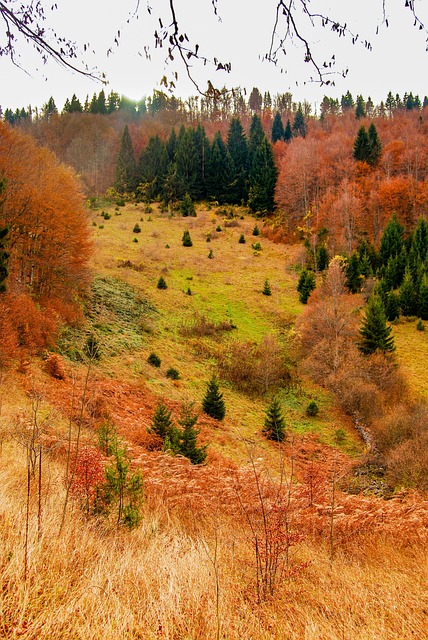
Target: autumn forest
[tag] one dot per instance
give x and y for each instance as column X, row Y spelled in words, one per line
column 213, row 391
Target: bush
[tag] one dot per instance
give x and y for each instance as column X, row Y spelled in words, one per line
column 161, row 283
column 256, row 246
column 172, row 374
column 241, row 239
column 218, row 228
column 120, row 203
column 154, row 360
column 137, row 228
column 211, row 254
column 420, row 325
column 54, row 366
column 256, row 231
column 135, row 240
column 312, row 409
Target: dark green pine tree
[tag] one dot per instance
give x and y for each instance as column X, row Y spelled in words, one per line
column 219, row 175
column 213, row 403
column 423, row 298
column 347, row 101
column 186, row 240
column 152, row 168
column 306, row 285
column 266, row 291
column 126, row 167
column 353, row 273
column 299, row 123
column 391, row 243
column 360, row 109
column 274, row 424
column 202, row 145
column 162, row 422
column 322, row 258
column 375, row 146
column 408, row 294
column 262, row 179
column 186, row 164
column 189, row 436
column 277, row 128
column 238, row 149
column 374, row 332
column 288, row 132
column 256, row 137
column 361, row 146
column 171, row 145
column 420, row 238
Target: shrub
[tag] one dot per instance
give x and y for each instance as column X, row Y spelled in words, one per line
column 100, row 226
column 154, row 360
column 211, row 254
column 120, row 203
column 54, row 366
column 312, row 409
column 256, row 246
column 137, row 228
column 173, row 374
column 135, row 240
column 241, row 239
column 420, row 325
column 218, row 228
column 186, row 239
column 256, row 231
column 161, row 283
column 189, row 291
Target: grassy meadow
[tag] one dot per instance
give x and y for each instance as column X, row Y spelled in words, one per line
column 260, row 542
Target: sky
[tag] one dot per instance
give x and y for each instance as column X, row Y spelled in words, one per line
column 242, row 36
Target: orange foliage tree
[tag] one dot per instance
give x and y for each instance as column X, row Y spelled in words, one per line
column 48, row 239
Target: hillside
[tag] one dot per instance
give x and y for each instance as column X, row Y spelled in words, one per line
column 264, row 540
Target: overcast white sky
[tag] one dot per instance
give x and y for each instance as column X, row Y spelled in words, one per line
column 398, row 61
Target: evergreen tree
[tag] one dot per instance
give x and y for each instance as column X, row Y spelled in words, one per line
column 162, row 422
column 162, row 283
column 187, row 206
column 186, row 164
column 423, row 297
column 375, row 333
column 299, row 123
column 277, row 128
column 322, row 258
column 213, row 403
column 262, row 179
column 347, row 101
column 375, row 146
column 306, row 285
column 361, row 146
column 360, row 111
column 353, row 274
column 390, row 103
column 255, row 100
column 203, row 150
column 274, row 424
column 288, row 133
column 256, row 138
column 219, row 171
column 408, row 299
column 420, row 238
column 391, row 243
column 238, row 149
column 186, row 239
column 188, row 437
column 126, row 168
column 267, row 291
column 171, row 145
column 152, row 168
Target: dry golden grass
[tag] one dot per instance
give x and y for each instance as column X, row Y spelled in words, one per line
column 187, row 573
